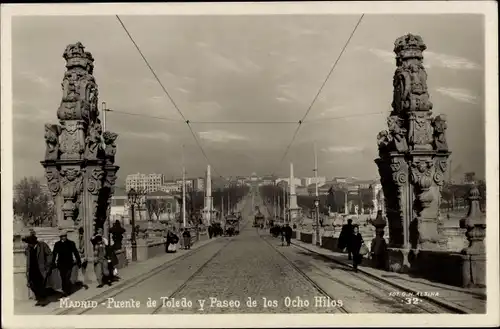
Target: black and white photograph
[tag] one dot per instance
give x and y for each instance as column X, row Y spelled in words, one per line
column 238, row 164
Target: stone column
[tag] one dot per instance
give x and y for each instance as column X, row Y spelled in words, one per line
column 293, row 207
column 412, row 153
column 74, row 158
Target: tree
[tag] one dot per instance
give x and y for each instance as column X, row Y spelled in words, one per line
column 34, row 207
column 151, row 207
column 160, row 207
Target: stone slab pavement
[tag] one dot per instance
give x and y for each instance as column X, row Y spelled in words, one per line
column 127, row 274
column 462, row 300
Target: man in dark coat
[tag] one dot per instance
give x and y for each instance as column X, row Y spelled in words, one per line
column 345, row 237
column 38, row 261
column 186, row 235
column 117, row 232
column 288, row 234
column 63, row 253
column 355, row 243
column 379, row 250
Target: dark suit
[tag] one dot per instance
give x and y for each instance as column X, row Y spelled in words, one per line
column 63, row 259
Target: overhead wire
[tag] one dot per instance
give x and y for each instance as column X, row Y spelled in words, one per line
column 287, row 149
column 165, row 91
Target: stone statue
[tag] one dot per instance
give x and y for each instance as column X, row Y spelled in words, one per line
column 398, row 133
column 440, row 126
column 52, row 133
column 93, row 141
column 110, row 150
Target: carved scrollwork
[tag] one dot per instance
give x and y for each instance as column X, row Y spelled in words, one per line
column 53, row 182
column 95, row 181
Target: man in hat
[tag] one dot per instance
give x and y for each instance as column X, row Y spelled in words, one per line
column 64, row 250
column 38, row 260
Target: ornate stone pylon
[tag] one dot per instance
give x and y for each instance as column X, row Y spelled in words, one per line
column 413, row 153
column 77, row 167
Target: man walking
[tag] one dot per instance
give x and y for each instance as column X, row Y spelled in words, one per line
column 288, row 234
column 38, row 261
column 63, row 253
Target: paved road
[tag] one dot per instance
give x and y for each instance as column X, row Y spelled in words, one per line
column 253, row 273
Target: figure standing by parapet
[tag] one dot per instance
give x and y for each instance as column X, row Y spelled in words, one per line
column 62, row 258
column 38, row 270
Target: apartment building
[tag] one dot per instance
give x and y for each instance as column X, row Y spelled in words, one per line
column 144, row 182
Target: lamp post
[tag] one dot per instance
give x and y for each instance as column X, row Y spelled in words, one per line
column 316, row 206
column 132, row 197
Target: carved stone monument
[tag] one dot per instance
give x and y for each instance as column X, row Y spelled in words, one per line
column 413, row 154
column 80, row 171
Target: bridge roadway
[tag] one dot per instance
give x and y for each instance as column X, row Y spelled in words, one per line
column 254, row 265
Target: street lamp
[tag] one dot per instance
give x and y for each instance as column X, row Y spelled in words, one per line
column 316, row 206
column 132, row 197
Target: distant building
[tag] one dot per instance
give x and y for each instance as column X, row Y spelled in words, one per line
column 297, row 181
column 144, row 182
column 306, row 181
column 170, row 187
column 199, row 184
column 188, row 182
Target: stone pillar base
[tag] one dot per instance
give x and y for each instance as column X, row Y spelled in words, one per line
column 474, row 270
column 142, row 250
column 399, row 260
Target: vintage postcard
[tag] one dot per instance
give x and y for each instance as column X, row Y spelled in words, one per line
column 250, row 164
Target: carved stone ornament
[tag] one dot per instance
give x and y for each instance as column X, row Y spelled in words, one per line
column 53, row 182
column 72, row 187
column 399, row 176
column 439, row 124
column 93, row 142
column 52, row 133
column 110, row 150
column 95, row 181
column 410, row 78
column 71, row 142
column 398, row 133
column 80, row 93
column 421, row 130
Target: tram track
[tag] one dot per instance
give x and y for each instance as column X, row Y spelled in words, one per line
column 422, row 303
column 342, row 309
column 129, row 284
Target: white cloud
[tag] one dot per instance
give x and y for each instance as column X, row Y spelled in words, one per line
column 35, row 78
column 283, row 100
column 449, row 61
column 343, row 149
column 461, row 95
column 153, row 135
column 431, row 59
column 220, row 136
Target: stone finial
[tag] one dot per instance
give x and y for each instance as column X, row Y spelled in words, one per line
column 379, row 223
column 409, row 46
column 75, row 55
column 475, row 223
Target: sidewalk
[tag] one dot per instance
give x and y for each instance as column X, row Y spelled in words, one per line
column 128, row 274
column 463, row 300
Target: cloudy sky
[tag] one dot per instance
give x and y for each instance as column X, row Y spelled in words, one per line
column 248, row 68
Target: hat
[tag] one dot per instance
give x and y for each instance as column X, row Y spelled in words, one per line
column 63, row 232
